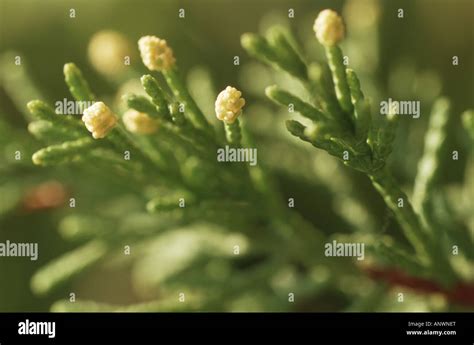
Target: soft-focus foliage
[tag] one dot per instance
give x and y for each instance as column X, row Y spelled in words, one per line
column 171, row 220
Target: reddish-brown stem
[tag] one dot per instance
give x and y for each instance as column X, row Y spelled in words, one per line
column 461, row 293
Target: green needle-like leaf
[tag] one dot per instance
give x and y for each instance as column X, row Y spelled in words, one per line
column 141, row 104
column 47, row 130
column 77, row 84
column 157, row 95
column 233, row 133
column 65, row 152
column 183, row 96
column 287, row 99
column 67, row 266
column 335, row 61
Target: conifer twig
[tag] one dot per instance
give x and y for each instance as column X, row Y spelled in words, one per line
column 78, row 86
column 158, row 56
column 343, row 126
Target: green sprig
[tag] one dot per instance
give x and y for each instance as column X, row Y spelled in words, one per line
column 314, row 137
column 343, row 126
column 406, row 216
column 361, row 106
column 47, row 130
column 429, row 165
column 42, row 111
column 285, row 98
column 182, row 95
column 77, row 84
column 67, row 266
column 66, row 152
column 157, row 96
column 233, row 133
column 322, row 85
column 277, row 51
column 286, row 54
column 335, row 61
column 141, row 104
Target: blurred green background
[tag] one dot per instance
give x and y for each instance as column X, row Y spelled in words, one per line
column 413, row 61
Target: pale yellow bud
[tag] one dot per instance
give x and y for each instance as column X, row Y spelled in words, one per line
column 329, row 28
column 99, row 120
column 140, row 123
column 155, row 53
column 108, row 51
column 229, row 104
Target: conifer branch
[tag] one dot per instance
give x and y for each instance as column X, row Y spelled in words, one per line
column 343, row 126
